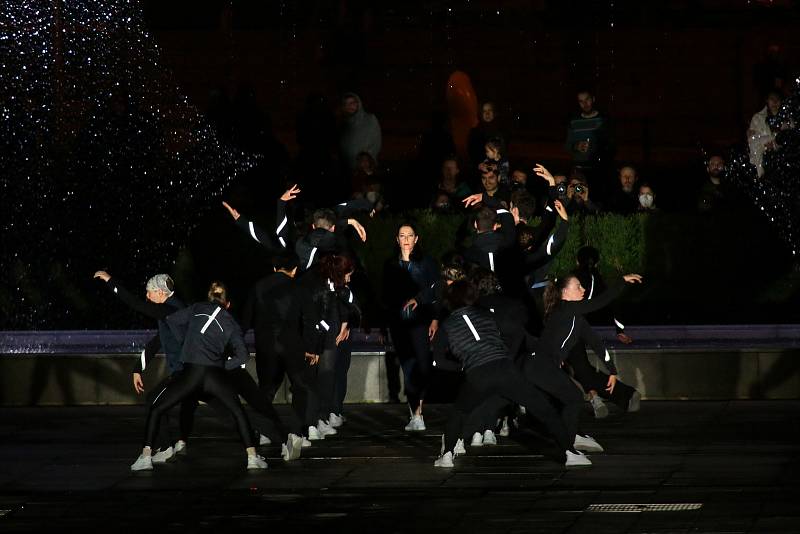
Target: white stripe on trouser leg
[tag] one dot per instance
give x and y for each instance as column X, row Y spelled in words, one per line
column 471, row 327
column 591, row 289
column 144, row 362
column 253, row 231
column 491, row 261
column 158, row 396
column 311, row 257
column 619, row 324
column 210, row 320
column 550, row 245
column 281, row 225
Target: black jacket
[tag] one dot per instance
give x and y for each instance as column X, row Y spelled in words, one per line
column 472, row 336
column 417, row 279
column 511, row 316
column 567, row 327
column 165, row 338
column 488, row 247
column 206, row 330
column 324, row 310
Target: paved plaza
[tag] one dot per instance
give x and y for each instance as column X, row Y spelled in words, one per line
column 722, row 467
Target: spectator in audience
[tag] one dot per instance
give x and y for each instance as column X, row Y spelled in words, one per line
column 761, row 134
column 367, row 182
column 360, row 132
column 525, row 204
column 590, row 139
column 488, row 127
column 495, row 149
column 450, row 183
column 492, row 186
column 647, row 199
column 578, row 196
column 712, row 194
column 624, row 199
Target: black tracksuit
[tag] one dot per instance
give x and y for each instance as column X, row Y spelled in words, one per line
column 489, row 248
column 472, row 336
column 589, row 377
column 564, row 329
column 205, row 331
column 417, row 279
column 275, row 312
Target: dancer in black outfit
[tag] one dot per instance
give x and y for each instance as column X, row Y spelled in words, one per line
column 590, row 378
column 496, row 233
column 274, row 312
column 206, row 330
column 564, row 328
column 411, row 280
column 472, row 336
column 160, row 302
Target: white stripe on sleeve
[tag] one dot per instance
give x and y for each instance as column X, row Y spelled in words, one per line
column 550, row 244
column 253, row 231
column 281, row 225
column 570, row 333
column 591, row 289
column 471, row 327
column 144, row 362
column 491, row 261
column 619, row 324
column 311, row 257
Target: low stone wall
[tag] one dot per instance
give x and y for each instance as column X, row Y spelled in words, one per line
column 659, row 373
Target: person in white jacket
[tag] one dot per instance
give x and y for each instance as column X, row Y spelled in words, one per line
column 761, row 134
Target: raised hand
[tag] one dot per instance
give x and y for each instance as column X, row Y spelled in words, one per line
column 235, row 214
column 290, row 193
column 633, row 278
column 561, row 210
column 471, row 200
column 544, row 173
column 104, row 276
column 359, row 228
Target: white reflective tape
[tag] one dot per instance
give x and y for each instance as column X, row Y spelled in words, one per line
column 550, row 244
column 212, row 317
column 619, row 324
column 144, row 362
column 311, row 257
column 591, row 289
column 471, row 327
column 570, row 332
column 283, row 243
column 281, row 225
column 253, row 231
column 324, row 325
column 491, row 310
column 330, row 285
column 491, row 261
column 343, row 204
column 350, row 299
column 116, row 290
column 501, row 211
column 548, row 208
column 159, row 395
column 243, row 366
column 608, row 356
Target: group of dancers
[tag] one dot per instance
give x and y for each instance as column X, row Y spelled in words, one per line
column 491, row 312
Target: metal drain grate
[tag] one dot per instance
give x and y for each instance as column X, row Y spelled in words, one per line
column 637, row 508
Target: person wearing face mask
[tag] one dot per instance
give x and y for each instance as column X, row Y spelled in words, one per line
column 647, row 199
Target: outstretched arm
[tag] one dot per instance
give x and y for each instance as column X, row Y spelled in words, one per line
column 145, row 307
column 582, row 307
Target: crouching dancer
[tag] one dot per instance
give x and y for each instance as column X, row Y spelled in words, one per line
column 206, row 329
column 473, row 337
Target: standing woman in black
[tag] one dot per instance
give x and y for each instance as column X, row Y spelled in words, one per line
column 410, row 281
column 565, row 327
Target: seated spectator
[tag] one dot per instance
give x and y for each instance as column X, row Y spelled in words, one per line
column 496, row 155
column 360, row 131
column 442, row 203
column 624, row 198
column 590, row 139
column 451, row 184
column 712, row 193
column 761, row 134
column 367, row 181
column 492, row 186
column 578, row 200
column 488, row 127
column 647, row 199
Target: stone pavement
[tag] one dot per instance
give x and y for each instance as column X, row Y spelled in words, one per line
column 734, row 464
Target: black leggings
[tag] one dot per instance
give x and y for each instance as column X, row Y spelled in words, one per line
column 194, row 380
column 326, row 383
column 542, row 372
column 500, row 377
column 592, row 379
column 413, row 351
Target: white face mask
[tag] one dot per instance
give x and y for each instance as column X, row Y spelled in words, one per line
column 372, row 196
column 646, row 200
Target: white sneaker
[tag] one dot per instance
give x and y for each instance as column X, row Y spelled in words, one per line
column 325, row 429
column 599, row 407
column 445, row 460
column 264, row 440
column 291, row 449
column 577, row 459
column 314, row 434
column 335, row 420
column 477, row 440
column 459, row 449
column 489, row 438
column 633, row 404
column 256, row 462
column 505, row 430
column 586, row 444
column 180, row 447
column 162, row 457
column 142, row 463
column 306, row 443
column 415, row 424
